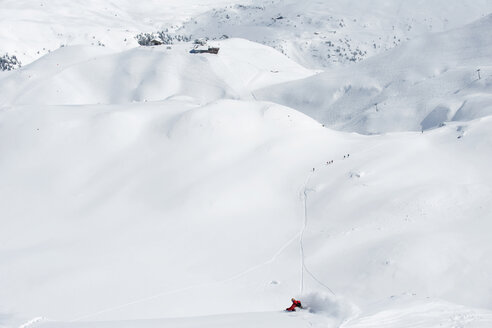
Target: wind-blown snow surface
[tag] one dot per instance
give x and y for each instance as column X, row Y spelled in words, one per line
column 150, row 188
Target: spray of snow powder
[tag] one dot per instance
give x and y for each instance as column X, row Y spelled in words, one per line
column 334, row 307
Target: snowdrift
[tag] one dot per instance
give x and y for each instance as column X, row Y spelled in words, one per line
column 416, row 86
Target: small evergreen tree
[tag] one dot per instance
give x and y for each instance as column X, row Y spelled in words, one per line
column 8, row 63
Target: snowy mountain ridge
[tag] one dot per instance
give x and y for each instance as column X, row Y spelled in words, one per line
column 322, row 34
column 316, row 34
column 417, row 86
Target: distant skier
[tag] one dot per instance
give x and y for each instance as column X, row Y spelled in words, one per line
column 295, row 304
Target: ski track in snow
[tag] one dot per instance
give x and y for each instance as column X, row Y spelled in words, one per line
column 179, row 290
column 296, row 236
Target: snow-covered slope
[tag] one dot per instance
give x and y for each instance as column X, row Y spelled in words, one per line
column 419, row 85
column 398, row 314
column 151, row 187
column 331, row 32
column 148, row 199
column 92, row 75
column 243, row 320
column 167, row 209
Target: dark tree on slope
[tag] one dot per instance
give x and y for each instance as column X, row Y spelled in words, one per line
column 150, row 39
column 8, row 63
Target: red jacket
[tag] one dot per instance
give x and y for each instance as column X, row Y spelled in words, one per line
column 295, row 304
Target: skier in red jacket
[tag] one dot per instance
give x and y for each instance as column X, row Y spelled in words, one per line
column 295, row 303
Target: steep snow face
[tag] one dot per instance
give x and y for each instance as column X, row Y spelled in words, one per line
column 92, row 75
column 417, row 86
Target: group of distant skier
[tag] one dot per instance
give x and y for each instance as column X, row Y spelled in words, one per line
column 331, row 161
